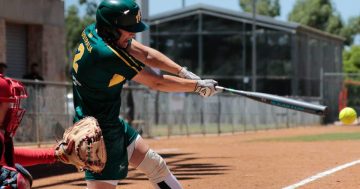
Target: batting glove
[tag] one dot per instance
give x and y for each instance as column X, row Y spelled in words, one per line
column 206, row 87
column 184, row 73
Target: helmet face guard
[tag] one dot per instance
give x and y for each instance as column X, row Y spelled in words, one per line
column 13, row 119
column 14, row 91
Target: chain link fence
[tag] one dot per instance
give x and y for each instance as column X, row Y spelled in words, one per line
column 50, row 111
column 341, row 90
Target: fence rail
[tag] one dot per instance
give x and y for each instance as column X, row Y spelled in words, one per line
column 50, row 111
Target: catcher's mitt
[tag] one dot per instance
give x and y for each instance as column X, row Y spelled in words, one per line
column 83, row 146
column 15, row 178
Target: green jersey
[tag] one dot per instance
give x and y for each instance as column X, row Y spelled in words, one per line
column 99, row 73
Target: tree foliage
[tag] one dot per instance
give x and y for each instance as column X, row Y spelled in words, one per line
column 91, row 6
column 351, row 60
column 72, row 22
column 352, row 28
column 315, row 13
column 322, row 15
column 74, row 25
column 354, row 22
column 263, row 7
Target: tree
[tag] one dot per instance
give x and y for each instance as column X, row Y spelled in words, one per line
column 351, row 29
column 320, row 14
column 317, row 14
column 91, row 6
column 351, row 60
column 263, row 7
column 351, row 64
column 74, row 25
column 354, row 24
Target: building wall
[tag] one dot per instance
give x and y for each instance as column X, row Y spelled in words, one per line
column 2, row 41
column 53, row 53
column 144, row 37
column 35, row 33
column 49, row 12
column 45, row 24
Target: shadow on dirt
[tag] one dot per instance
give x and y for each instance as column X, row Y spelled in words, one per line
column 181, row 164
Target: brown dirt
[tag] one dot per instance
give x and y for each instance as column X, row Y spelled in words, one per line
column 237, row 161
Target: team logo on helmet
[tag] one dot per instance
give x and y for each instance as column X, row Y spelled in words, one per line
column 138, row 17
column 126, row 12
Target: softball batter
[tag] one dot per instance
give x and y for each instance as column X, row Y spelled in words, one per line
column 107, row 57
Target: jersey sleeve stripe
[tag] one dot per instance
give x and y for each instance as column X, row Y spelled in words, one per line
column 123, row 59
column 140, row 66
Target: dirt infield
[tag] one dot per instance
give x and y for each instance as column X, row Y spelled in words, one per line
column 238, row 161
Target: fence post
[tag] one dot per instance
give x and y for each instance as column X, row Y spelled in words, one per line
column 219, row 115
column 37, row 113
column 321, row 84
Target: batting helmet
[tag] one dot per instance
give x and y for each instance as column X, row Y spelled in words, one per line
column 12, row 91
column 123, row 14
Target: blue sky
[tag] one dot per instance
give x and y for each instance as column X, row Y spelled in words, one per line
column 346, row 8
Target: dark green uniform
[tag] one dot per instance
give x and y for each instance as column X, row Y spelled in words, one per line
column 98, row 75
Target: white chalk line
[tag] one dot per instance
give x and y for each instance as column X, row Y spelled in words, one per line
column 322, row 174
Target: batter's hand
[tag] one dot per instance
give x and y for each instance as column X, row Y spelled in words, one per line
column 206, row 87
column 184, row 73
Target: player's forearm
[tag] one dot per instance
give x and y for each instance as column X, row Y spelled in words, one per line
column 158, row 60
column 174, row 84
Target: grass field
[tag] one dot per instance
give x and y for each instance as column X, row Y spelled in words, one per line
column 318, row 137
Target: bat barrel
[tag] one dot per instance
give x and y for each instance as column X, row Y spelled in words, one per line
column 279, row 101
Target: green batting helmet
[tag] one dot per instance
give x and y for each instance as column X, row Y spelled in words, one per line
column 123, row 14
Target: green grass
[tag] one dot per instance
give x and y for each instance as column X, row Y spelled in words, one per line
column 319, row 137
column 162, row 130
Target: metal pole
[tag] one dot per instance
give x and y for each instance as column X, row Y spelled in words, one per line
column 37, row 114
column 322, row 84
column 200, row 45
column 144, row 37
column 254, row 46
column 219, row 116
column 183, row 3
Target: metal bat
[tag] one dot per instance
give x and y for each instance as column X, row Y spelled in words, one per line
column 279, row 101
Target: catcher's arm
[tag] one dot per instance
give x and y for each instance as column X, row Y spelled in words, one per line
column 83, row 146
column 30, row 156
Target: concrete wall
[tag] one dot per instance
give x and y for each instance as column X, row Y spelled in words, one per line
column 50, row 12
column 45, row 23
column 53, row 53
column 144, row 37
column 2, row 41
column 35, row 33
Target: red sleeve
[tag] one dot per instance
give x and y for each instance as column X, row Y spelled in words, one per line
column 34, row 156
